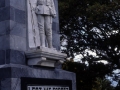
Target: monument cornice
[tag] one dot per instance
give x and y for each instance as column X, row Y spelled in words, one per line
column 47, row 55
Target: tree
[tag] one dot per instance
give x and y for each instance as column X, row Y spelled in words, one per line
column 90, row 77
column 91, row 25
column 102, row 84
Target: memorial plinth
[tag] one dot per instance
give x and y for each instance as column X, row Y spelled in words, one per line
column 24, row 63
column 45, row 57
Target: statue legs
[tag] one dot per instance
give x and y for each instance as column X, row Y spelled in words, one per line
column 41, row 29
column 45, row 28
column 48, row 30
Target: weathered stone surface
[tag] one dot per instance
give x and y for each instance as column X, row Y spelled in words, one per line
column 16, row 84
column 4, row 27
column 12, row 56
column 20, row 16
column 15, row 72
column 17, row 43
column 2, row 57
column 4, row 42
column 11, row 13
column 2, row 3
column 45, row 57
column 13, row 31
column 18, row 4
column 5, row 72
column 56, row 34
column 5, row 84
column 56, row 41
column 12, row 42
column 56, row 27
column 5, row 13
column 17, row 29
column 15, row 57
column 57, row 18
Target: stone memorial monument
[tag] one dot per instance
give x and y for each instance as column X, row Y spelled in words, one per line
column 30, row 57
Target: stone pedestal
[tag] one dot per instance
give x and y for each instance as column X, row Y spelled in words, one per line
column 12, row 76
column 18, row 60
column 45, row 57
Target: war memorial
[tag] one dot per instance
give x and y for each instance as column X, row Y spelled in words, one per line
column 30, row 57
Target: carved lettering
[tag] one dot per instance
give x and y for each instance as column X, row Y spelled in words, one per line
column 47, row 88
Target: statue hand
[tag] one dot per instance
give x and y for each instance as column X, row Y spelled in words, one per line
column 33, row 8
column 54, row 15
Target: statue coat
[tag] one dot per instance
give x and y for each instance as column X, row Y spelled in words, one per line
column 45, row 7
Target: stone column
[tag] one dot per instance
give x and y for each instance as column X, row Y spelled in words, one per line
column 13, row 31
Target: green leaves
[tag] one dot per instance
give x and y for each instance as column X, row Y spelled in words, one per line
column 91, row 77
column 90, row 25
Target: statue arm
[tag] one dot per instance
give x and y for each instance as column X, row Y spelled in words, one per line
column 34, row 4
column 53, row 8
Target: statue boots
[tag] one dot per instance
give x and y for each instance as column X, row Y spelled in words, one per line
column 49, row 41
column 42, row 39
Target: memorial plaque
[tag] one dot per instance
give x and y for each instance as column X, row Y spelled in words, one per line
column 45, row 84
column 47, row 88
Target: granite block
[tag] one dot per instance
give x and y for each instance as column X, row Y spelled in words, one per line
column 56, row 19
column 55, row 27
column 6, row 84
column 4, row 27
column 17, row 29
column 4, row 42
column 2, row 57
column 5, row 72
column 4, row 13
column 42, row 73
column 17, row 43
column 2, row 3
column 20, row 16
column 16, row 84
column 18, row 71
column 15, row 57
column 12, row 42
column 7, row 3
column 15, row 72
column 12, row 13
column 18, row 4
column 56, row 41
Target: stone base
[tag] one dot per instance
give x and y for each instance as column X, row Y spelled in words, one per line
column 10, row 56
column 45, row 57
column 10, row 75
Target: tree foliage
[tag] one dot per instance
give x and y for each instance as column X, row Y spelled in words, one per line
column 91, row 25
column 102, row 84
column 90, row 77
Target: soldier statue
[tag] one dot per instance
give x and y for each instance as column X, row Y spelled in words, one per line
column 45, row 11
